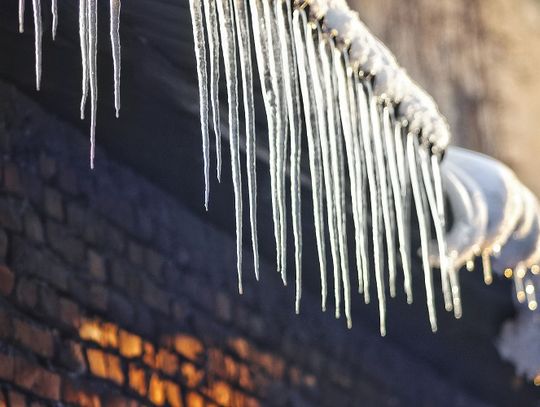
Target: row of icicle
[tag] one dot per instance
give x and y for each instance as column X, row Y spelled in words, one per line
column 88, row 34
column 359, row 150
column 374, row 140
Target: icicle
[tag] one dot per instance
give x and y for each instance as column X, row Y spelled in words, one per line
column 54, row 11
column 21, row 15
column 405, row 202
column 228, row 43
column 313, row 143
column 262, row 52
column 83, row 37
column 439, row 196
column 383, row 187
column 333, row 200
column 320, row 97
column 115, row 45
column 92, row 26
column 486, row 265
column 339, row 60
column 213, row 45
column 200, row 56
column 412, row 147
column 439, row 226
column 244, row 48
column 279, row 137
column 288, row 58
column 38, row 35
column 374, row 201
column 398, row 198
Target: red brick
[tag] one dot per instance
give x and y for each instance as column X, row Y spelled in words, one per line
column 36, row 339
column 156, row 390
column 73, row 394
column 37, row 380
column 69, row 313
column 16, row 399
column 130, row 345
column 137, row 379
column 6, row 367
column 105, row 365
column 3, row 400
column 7, row 280
column 71, row 357
column 167, row 362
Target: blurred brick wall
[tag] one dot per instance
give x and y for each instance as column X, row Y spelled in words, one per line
column 113, row 294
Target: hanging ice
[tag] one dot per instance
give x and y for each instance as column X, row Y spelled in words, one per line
column 228, row 44
column 83, row 38
column 21, row 15
column 54, row 12
column 200, row 55
column 92, row 25
column 38, row 38
column 115, row 45
column 212, row 32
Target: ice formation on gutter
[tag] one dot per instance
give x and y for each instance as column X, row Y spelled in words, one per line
column 375, row 140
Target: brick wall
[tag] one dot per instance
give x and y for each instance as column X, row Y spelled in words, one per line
column 113, row 294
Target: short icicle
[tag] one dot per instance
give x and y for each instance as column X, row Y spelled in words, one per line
column 228, row 44
column 54, row 12
column 22, row 4
column 38, row 39
column 299, row 22
column 200, row 56
column 244, row 48
column 212, row 31
column 92, row 25
column 376, row 218
column 412, row 148
column 116, row 54
column 83, row 38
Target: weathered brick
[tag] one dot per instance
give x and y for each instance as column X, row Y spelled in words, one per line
column 167, row 362
column 71, row 357
column 74, row 393
column 49, row 302
column 7, row 280
column 96, row 266
column 12, row 179
column 188, row 346
column 137, row 379
column 119, row 308
column 53, row 204
column 47, row 166
column 6, row 326
column 7, row 370
column 64, row 242
column 39, row 340
column 16, row 399
column 154, row 262
column 99, row 296
column 67, row 181
column 156, row 390
column 3, row 399
column 130, row 345
column 123, row 277
column 155, row 297
column 27, row 292
column 33, row 227
column 173, row 394
column 10, row 214
column 37, row 380
column 135, row 253
column 69, row 313
column 223, row 306
column 3, row 243
column 105, row 365
column 76, row 217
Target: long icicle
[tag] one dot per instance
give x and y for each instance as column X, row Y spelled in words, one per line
column 83, row 39
column 116, row 54
column 404, row 181
column 54, row 12
column 38, row 39
column 92, row 25
column 244, row 48
column 398, row 199
column 313, row 144
column 262, row 53
column 200, row 56
column 332, row 120
column 288, row 59
column 439, row 196
column 412, row 147
column 339, row 59
column 322, row 110
column 278, row 138
column 437, row 222
column 228, row 44
column 376, row 218
column 212, row 32
column 383, row 187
